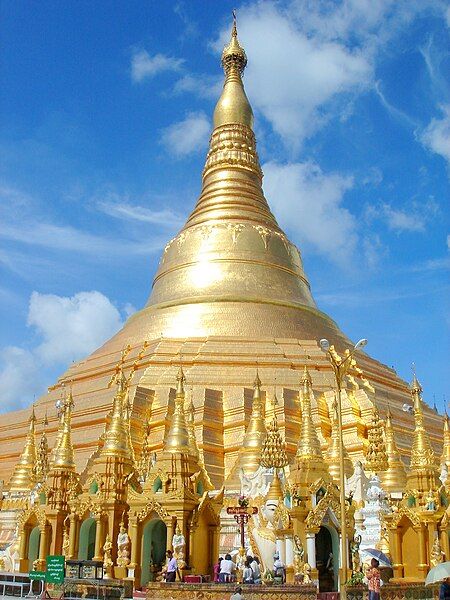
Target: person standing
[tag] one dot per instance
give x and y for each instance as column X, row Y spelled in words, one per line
column 373, row 576
column 172, row 567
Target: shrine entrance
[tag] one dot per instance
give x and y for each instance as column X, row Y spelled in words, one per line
column 327, row 558
column 33, row 545
column 153, row 551
column 86, row 548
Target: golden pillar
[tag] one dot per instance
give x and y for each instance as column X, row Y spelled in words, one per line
column 445, row 545
column 73, row 526
column 23, row 545
column 423, row 563
column 99, row 534
column 170, row 530
column 397, row 558
column 43, row 548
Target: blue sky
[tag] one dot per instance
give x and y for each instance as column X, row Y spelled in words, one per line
column 106, row 111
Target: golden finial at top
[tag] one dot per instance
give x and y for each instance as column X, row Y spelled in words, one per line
column 233, row 55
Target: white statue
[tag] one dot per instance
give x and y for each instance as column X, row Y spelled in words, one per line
column 255, row 484
column 264, row 533
column 123, row 547
column 373, row 513
column 357, row 485
column 178, row 545
column 444, row 474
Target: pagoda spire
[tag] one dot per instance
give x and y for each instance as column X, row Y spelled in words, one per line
column 62, row 455
column 309, row 462
column 445, row 458
column 273, row 452
column 233, row 105
column 42, row 462
column 394, row 478
column 190, row 421
column 177, row 439
column 332, row 457
column 255, row 433
column 423, row 474
column 376, row 456
column 117, row 435
column 22, row 479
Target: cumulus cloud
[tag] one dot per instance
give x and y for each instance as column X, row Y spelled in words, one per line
column 144, row 66
column 20, row 378
column 413, row 218
column 68, row 328
column 187, row 136
column 436, row 136
column 292, row 94
column 308, row 203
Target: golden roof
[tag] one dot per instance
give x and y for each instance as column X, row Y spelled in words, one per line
column 177, row 439
column 394, row 478
column 22, row 479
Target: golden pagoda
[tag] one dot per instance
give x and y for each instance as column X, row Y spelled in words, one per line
column 231, row 296
column 22, row 479
column 423, row 471
column 394, row 477
column 445, row 457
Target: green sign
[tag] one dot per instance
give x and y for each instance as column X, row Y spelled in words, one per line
column 37, row 575
column 55, row 569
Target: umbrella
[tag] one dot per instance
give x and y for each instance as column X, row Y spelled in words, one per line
column 384, row 560
column 438, row 573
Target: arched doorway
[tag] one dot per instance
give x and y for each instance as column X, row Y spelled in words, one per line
column 86, row 548
column 327, row 558
column 154, row 538
column 33, row 545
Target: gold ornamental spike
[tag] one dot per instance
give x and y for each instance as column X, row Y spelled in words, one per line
column 233, row 105
column 62, row 456
column 117, row 434
column 190, row 421
column 308, row 447
column 255, row 432
column 275, row 491
column 273, row 453
column 22, row 479
column 177, row 439
column 445, row 458
column 394, row 478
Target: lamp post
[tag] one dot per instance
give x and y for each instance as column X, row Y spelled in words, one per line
column 341, row 367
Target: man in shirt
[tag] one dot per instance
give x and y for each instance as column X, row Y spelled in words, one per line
column 227, row 569
column 172, row 567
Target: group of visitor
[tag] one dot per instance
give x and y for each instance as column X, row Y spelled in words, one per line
column 225, row 570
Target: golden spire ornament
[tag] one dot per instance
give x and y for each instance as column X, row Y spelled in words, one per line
column 116, row 442
column 423, row 472
column 190, row 421
column 255, row 433
column 445, row 458
column 178, row 436
column 273, row 453
column 62, row 455
column 42, row 462
column 233, row 105
column 22, row 479
column 376, row 456
column 394, row 478
column 332, row 457
column 308, row 445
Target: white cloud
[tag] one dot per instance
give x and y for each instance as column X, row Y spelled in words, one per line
column 122, row 210
column 293, row 94
column 144, row 66
column 68, row 329
column 205, row 86
column 308, row 203
column 413, row 218
column 20, row 378
column 436, row 136
column 71, row 327
column 187, row 136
